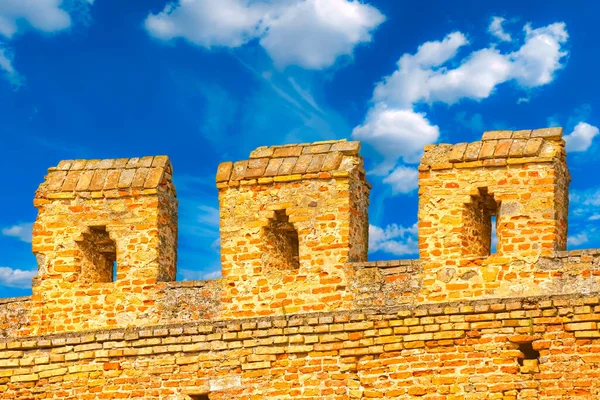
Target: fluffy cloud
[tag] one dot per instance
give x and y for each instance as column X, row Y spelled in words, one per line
column 423, row 78
column 581, row 138
column 308, row 33
column 411, row 82
column 394, row 239
column 496, row 29
column 535, row 63
column 19, row 231
column 314, row 33
column 394, row 127
column 16, row 278
column 208, row 23
column 397, row 133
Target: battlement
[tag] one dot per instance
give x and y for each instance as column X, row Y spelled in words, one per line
column 294, row 231
column 294, row 224
column 300, row 312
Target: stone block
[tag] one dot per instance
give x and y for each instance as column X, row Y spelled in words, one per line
column 224, row 171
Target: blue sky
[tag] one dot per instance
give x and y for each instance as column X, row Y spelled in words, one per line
column 206, row 81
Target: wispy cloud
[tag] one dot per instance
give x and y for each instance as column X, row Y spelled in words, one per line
column 6, row 64
column 196, row 275
column 208, row 215
column 286, row 105
column 577, row 240
column 20, row 231
column 199, row 243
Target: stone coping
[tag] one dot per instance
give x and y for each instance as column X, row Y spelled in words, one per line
column 120, row 174
column 306, row 160
column 497, row 148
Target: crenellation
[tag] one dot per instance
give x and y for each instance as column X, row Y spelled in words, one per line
column 299, row 311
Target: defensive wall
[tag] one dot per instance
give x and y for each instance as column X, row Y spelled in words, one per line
column 300, row 312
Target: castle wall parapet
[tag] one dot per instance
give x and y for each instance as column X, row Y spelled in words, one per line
column 300, row 312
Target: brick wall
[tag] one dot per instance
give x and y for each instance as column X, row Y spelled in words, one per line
column 529, row 348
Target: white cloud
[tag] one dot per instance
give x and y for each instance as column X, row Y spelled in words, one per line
column 394, row 127
column 535, row 63
column 16, row 278
column 496, row 29
column 418, row 80
column 581, row 138
column 397, row 133
column 403, row 179
column 577, row 240
column 308, row 33
column 19, row 231
column 394, row 239
column 208, row 23
column 410, row 83
column 314, row 33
